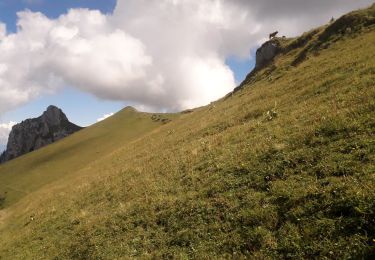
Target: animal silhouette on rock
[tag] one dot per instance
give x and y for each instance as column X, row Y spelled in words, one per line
column 273, row 35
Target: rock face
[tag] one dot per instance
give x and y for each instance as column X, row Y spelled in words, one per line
column 266, row 53
column 32, row 134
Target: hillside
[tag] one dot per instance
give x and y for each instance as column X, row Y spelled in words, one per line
column 283, row 168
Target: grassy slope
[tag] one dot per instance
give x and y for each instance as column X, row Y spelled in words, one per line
column 20, row 177
column 281, row 169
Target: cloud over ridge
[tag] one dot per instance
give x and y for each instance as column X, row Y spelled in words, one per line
column 104, row 117
column 158, row 54
column 5, row 129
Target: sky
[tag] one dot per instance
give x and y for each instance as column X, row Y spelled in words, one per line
column 93, row 57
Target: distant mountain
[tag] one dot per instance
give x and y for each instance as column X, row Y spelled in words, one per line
column 32, row 134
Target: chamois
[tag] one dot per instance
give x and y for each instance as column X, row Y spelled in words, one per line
column 273, row 35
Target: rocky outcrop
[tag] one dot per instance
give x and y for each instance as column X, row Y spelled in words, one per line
column 32, row 134
column 266, row 53
column 264, row 56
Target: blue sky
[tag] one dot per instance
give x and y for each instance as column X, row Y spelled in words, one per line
column 81, row 108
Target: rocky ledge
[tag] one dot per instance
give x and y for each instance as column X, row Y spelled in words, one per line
column 264, row 56
column 266, row 53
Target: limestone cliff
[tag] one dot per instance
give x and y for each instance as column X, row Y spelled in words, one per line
column 32, row 134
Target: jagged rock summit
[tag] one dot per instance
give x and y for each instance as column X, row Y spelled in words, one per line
column 32, row 134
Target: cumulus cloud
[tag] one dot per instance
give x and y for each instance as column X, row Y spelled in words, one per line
column 80, row 49
column 4, row 132
column 104, row 117
column 159, row 54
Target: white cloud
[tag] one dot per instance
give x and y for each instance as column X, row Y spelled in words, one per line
column 80, row 48
column 5, row 129
column 104, row 117
column 159, row 54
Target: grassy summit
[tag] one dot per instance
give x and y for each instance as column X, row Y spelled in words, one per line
column 282, row 168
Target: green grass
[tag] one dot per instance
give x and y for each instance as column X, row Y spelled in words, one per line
column 281, row 169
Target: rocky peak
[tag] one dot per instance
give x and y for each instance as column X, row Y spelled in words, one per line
column 32, row 134
column 54, row 116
